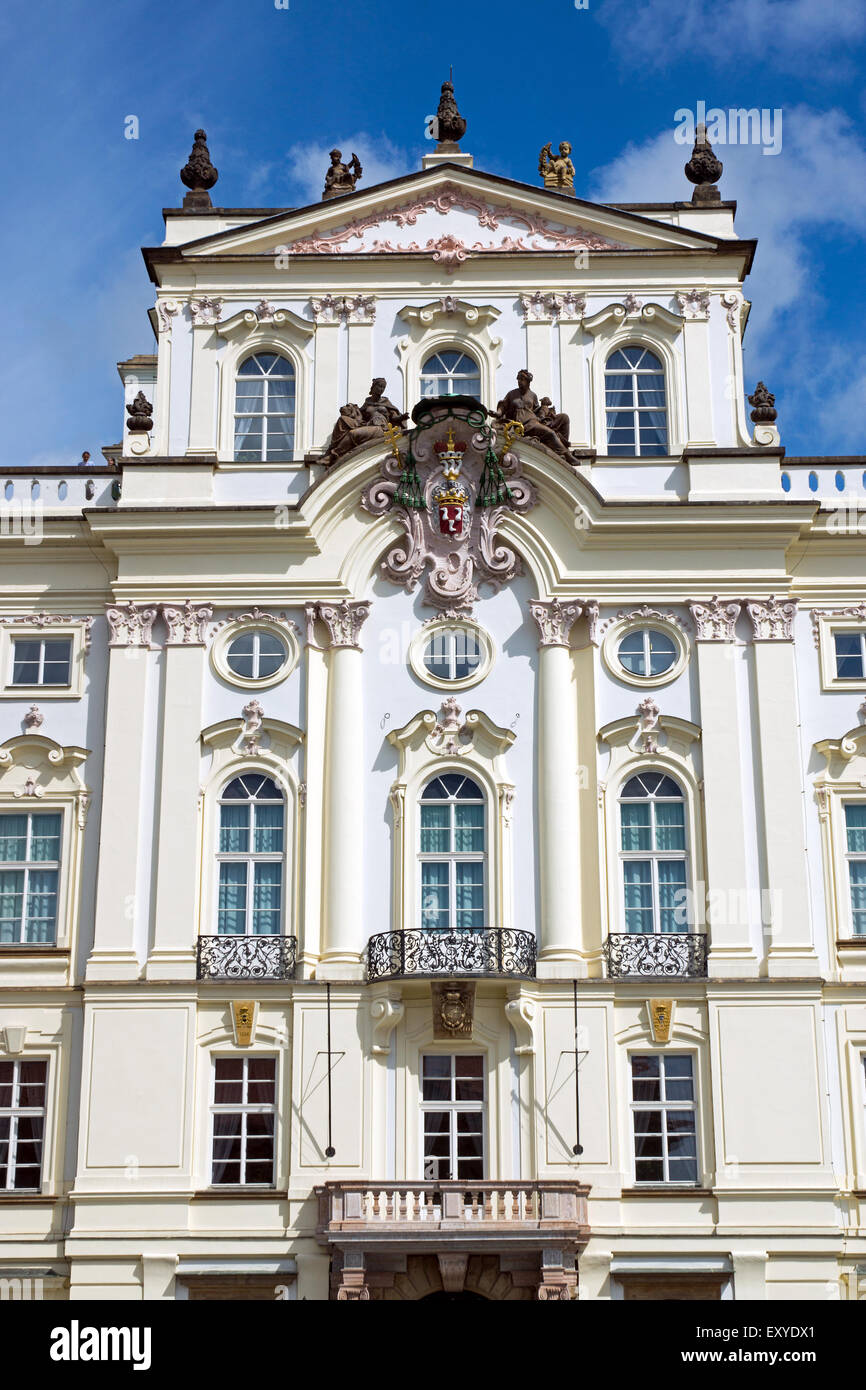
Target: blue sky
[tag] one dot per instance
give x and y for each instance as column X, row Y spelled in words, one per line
column 276, row 88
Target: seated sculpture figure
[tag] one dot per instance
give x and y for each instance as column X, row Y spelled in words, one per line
column 358, row 425
column 378, row 410
column 539, row 419
column 341, row 178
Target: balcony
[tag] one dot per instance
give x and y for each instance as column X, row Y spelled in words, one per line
column 246, row 957
column 656, row 955
column 377, row 1231
column 445, row 954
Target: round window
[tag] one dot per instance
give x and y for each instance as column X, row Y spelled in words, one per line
column 647, row 652
column 255, row 655
column 447, row 653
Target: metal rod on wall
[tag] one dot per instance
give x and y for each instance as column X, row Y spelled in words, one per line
column 330, row 1150
column 578, row 1147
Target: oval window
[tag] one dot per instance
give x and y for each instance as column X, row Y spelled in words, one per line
column 646, row 652
column 254, row 655
column 452, row 654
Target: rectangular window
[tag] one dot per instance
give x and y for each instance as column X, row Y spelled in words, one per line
column 29, row 872
column 41, row 660
column 22, row 1124
column 664, row 1119
column 855, row 836
column 849, row 648
column 244, row 1121
column 453, row 1114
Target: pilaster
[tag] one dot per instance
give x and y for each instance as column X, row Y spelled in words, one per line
column 205, row 315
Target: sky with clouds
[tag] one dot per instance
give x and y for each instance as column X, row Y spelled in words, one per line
column 276, row 83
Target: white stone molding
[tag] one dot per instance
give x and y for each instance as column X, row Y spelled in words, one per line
column 694, row 304
column 385, row 1013
column 426, row 747
column 166, row 311
column 522, row 1014
column 205, row 311
column 555, row 620
column 448, row 322
column 841, row 780
column 130, row 624
column 14, row 1038
column 35, row 766
column 187, row 624
column 254, row 617
column 715, row 619
column 772, row 619
column 343, row 621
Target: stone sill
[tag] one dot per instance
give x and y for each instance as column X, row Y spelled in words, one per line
column 223, row 1194
column 667, row 1191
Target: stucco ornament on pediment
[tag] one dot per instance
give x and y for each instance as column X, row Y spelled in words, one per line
column 449, row 489
column 33, row 765
column 450, row 734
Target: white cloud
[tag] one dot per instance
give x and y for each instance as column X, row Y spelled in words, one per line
column 380, row 160
column 795, row 203
column 789, row 33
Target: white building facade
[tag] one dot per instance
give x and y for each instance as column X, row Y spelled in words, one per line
column 438, row 868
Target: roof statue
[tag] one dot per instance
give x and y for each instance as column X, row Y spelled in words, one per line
column 703, row 169
column 557, row 170
column 450, row 126
column 198, row 175
column 341, row 178
column 763, row 404
column 540, row 421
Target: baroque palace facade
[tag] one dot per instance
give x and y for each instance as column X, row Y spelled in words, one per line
column 434, row 810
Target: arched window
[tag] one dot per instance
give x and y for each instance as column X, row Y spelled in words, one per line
column 265, row 409
column 653, row 853
column 634, row 386
column 453, row 854
column 450, row 373
column 251, row 857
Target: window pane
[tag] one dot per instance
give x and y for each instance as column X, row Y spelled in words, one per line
column 468, row 828
column 849, row 655
column 231, row 916
column 631, row 653
column 268, row 836
column 56, row 662
column 13, row 838
column 855, row 825
column 435, row 829
column 234, row 829
column 637, row 878
column 670, row 825
column 467, row 654
column 11, row 904
column 635, row 825
column 41, row 906
column 663, row 653
column 857, row 877
column 267, row 897
column 434, row 896
column 470, row 894
column 45, row 838
column 25, row 664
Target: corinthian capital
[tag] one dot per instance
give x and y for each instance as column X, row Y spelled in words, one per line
column 131, row 624
column 555, row 620
column 186, row 625
column 772, row 619
column 343, row 621
column 715, row 619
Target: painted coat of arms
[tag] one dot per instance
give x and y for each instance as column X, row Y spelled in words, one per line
column 449, row 482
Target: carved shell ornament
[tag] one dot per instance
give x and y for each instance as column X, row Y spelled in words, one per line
column 449, row 483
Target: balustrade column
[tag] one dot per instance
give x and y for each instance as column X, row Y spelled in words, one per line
column 343, row 934
column 172, row 954
column 558, row 792
column 118, row 917
column 733, row 950
column 786, row 915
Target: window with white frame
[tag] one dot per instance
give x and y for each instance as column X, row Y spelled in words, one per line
column 635, row 402
column 265, row 409
column 255, row 654
column 645, row 651
column 653, row 854
column 29, row 873
column 453, row 854
column 22, row 1124
column 453, row 1117
column 41, row 661
column 244, row 1114
column 850, row 652
column 251, row 857
column 855, row 854
column 664, row 1118
column 450, row 373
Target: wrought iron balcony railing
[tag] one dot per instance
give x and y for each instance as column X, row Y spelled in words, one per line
column 466, row 952
column 246, row 957
column 659, row 954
